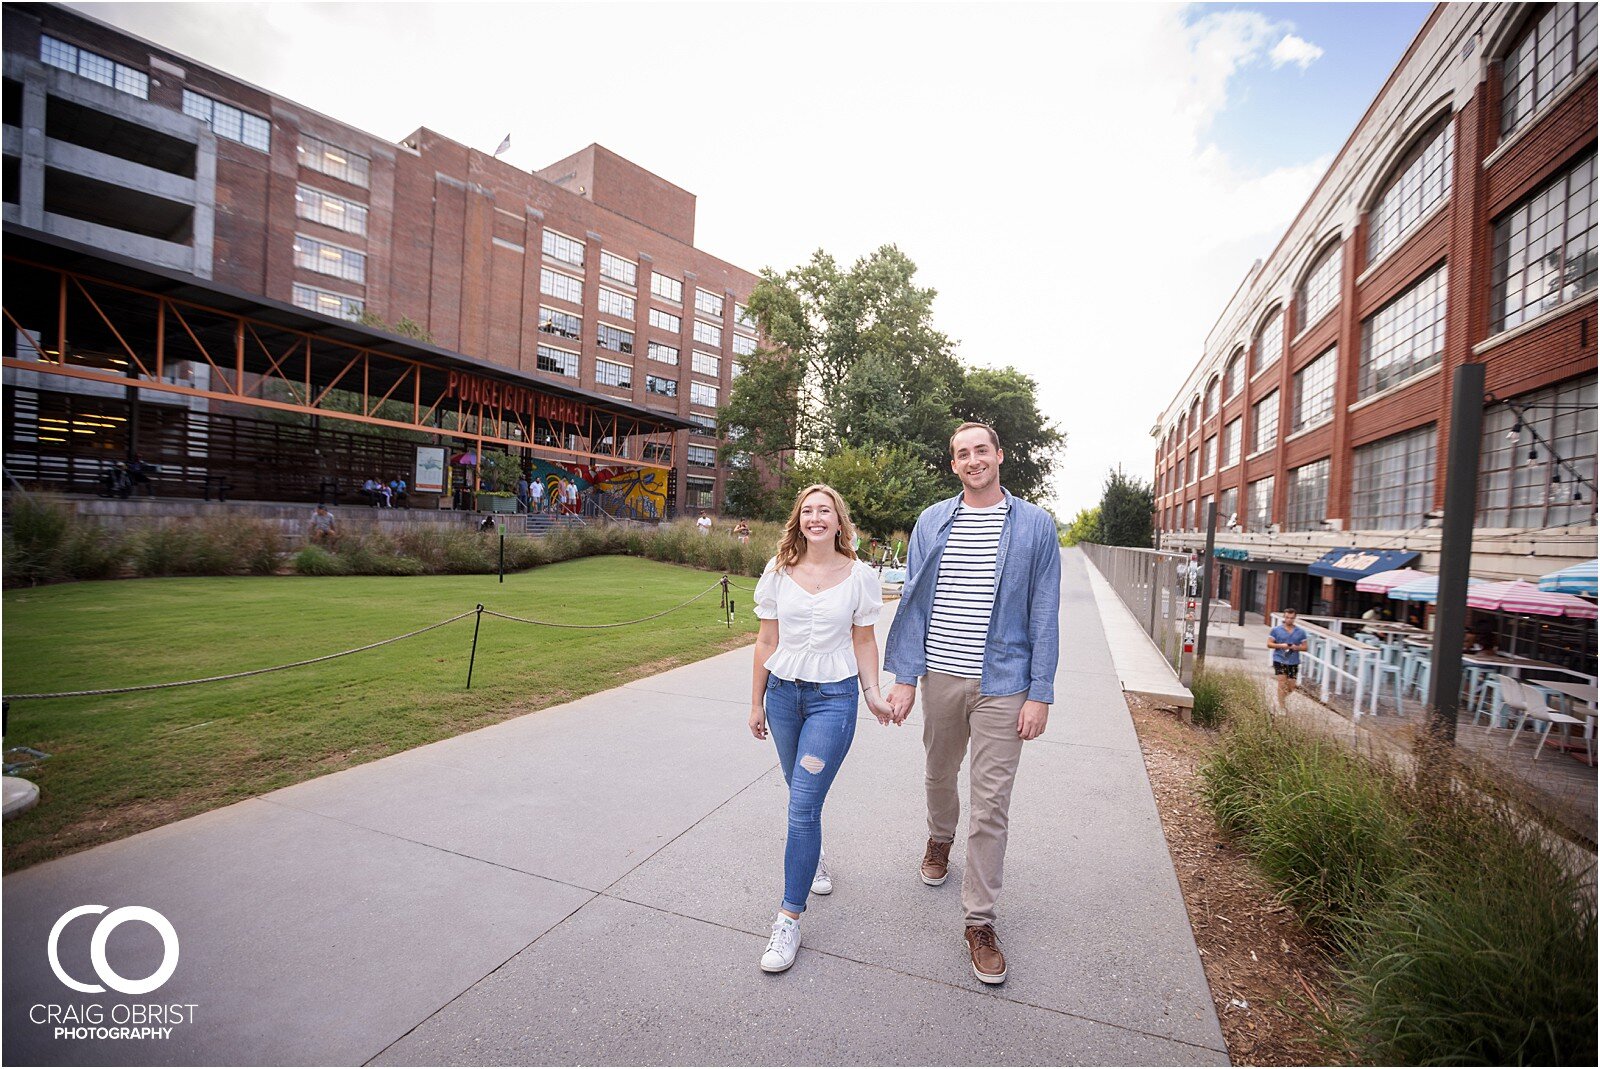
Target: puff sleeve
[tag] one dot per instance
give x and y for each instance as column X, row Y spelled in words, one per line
column 869, row 599
column 767, row 592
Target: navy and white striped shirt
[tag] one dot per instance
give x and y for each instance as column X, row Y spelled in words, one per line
column 963, row 597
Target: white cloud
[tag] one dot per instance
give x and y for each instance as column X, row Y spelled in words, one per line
column 1294, row 49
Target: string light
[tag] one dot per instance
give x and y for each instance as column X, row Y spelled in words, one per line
column 1533, row 456
column 1515, row 433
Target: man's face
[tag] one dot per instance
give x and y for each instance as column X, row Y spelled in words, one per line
column 975, row 460
column 1289, row 617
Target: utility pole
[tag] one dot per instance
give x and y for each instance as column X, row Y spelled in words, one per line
column 1455, row 549
column 1205, row 585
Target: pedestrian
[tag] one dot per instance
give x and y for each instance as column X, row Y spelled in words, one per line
column 741, row 531
column 524, row 500
column 817, row 606
column 536, row 495
column 703, row 524
column 1286, row 641
column 978, row 624
column 324, row 529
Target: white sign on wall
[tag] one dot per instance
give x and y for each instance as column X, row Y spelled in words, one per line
column 430, row 470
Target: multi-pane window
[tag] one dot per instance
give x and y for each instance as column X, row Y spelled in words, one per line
column 557, row 361
column 704, row 422
column 562, row 324
column 1211, row 398
column 329, row 210
column 1422, row 180
column 1544, row 60
column 617, row 269
column 613, row 338
column 667, row 288
column 1264, row 423
column 611, row 373
column 228, row 121
column 1181, row 470
column 707, row 304
column 561, row 287
column 95, row 67
column 1208, row 455
column 616, row 304
column 326, row 259
column 1405, row 337
column 1204, row 512
column 1516, row 475
column 1233, row 376
column 1313, row 390
column 1230, row 443
column 666, row 321
column 318, row 155
column 701, row 492
column 1544, row 248
column 662, row 387
column 1269, row 341
column 736, row 369
column 667, row 354
column 327, row 302
column 1320, row 291
column 706, row 364
column 1194, row 518
column 1194, row 464
column 558, row 246
column 1391, row 485
column 1227, row 506
column 702, row 456
column 701, row 393
column 743, row 346
column 706, row 334
column 742, row 319
column 1308, row 497
column 1258, row 505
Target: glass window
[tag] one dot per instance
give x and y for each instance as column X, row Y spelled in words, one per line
column 701, row 493
column 666, row 321
column 701, row 393
column 327, row 302
column 1516, row 480
column 1264, row 423
column 562, row 324
column 662, row 387
column 1230, row 443
column 1233, row 376
column 1211, row 398
column 315, row 154
column 667, row 354
column 1308, row 496
column 1227, row 507
column 1269, row 341
column 1313, row 390
column 706, row 334
column 702, row 456
column 613, row 338
column 1258, row 505
column 707, row 304
column 1421, row 180
column 616, row 304
column 1181, row 469
column 742, row 319
column 1405, row 337
column 1320, row 291
column 611, row 373
column 561, row 287
column 617, row 269
column 95, row 67
column 1544, row 248
column 1194, row 464
column 326, row 259
column 703, row 421
column 667, row 288
column 743, row 346
column 558, row 246
column 736, row 369
column 228, row 121
column 329, row 210
column 1208, row 455
column 1543, row 60
column 706, row 364
column 1391, row 486
column 557, row 361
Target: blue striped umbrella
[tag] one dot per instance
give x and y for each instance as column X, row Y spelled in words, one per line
column 1425, row 590
column 1578, row 579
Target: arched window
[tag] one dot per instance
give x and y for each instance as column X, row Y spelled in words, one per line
column 1554, row 47
column 1269, row 340
column 1420, row 180
column 1233, row 375
column 1194, row 415
column 1211, row 398
column 1320, row 290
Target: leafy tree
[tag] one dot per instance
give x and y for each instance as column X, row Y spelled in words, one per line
column 1085, row 527
column 747, row 495
column 886, row 488
column 1008, row 401
column 1127, row 509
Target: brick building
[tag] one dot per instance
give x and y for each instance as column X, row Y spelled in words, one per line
column 134, row 166
column 1456, row 224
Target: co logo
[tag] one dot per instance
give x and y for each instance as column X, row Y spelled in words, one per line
column 97, row 949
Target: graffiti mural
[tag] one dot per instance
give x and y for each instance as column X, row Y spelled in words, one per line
column 644, row 490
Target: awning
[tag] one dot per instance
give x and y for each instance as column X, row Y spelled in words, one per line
column 1353, row 564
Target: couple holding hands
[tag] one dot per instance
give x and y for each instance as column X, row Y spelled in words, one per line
column 977, row 625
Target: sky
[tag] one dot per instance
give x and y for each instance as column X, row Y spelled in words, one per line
column 1085, row 185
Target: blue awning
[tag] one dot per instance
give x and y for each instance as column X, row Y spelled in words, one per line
column 1353, row 564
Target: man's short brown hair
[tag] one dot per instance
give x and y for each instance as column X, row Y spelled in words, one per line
column 994, row 439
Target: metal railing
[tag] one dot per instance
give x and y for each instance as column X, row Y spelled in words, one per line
column 1154, row 585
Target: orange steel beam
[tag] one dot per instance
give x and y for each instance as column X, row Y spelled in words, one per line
column 392, row 387
column 43, row 355
column 337, row 378
column 114, row 331
column 276, row 363
column 232, row 391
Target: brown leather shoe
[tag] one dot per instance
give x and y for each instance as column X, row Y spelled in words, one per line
column 935, row 863
column 988, row 964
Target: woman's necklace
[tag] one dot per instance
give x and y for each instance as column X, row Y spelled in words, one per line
column 821, row 581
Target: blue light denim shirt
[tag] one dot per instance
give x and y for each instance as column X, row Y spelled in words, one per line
column 1024, row 632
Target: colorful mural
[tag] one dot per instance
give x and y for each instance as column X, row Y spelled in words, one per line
column 642, row 489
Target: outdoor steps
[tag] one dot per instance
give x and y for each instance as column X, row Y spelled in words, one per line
column 541, row 523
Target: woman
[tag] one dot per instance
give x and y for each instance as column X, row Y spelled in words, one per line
column 817, row 605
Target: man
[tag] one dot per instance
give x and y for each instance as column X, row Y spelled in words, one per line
column 324, row 528
column 978, row 623
column 524, row 498
column 536, row 495
column 703, row 524
column 1286, row 641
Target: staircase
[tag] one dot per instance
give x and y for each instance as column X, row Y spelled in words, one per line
column 540, row 523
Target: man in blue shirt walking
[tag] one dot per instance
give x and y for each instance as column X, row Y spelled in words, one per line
column 1286, row 641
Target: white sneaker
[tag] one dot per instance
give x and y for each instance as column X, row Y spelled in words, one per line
column 783, row 946
column 822, row 882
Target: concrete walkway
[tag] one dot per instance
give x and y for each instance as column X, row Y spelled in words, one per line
column 593, row 883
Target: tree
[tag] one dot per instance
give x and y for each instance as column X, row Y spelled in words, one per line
column 886, row 488
column 1085, row 527
column 747, row 495
column 1127, row 508
column 1008, row 401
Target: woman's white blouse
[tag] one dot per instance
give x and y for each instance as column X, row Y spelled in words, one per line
column 814, row 629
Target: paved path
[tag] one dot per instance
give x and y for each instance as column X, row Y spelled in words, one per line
column 593, row 883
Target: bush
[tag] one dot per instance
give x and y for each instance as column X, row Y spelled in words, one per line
column 314, row 560
column 1207, row 689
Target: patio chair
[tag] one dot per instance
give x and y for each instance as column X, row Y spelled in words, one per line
column 1488, row 700
column 1530, row 704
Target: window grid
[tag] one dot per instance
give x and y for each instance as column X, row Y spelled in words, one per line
column 329, row 210
column 1392, row 481
column 1264, row 423
column 1231, row 435
column 95, row 67
column 706, row 364
column 1320, row 291
column 1208, row 455
column 667, row 288
column 701, row 393
column 1514, row 493
column 702, row 493
column 558, row 246
column 324, row 157
column 561, row 287
column 1211, row 397
column 707, row 304
column 1269, row 342
column 706, row 334
column 1423, row 180
column 1227, row 506
column 1544, row 60
column 616, row 304
column 1233, row 376
column 662, row 387
column 1313, row 390
column 703, row 421
column 562, row 324
column 611, row 373
column 666, row 354
column 613, row 338
column 557, row 361
column 1405, row 337
column 1308, row 496
column 1194, row 464
column 1258, row 504
column 742, row 319
column 702, row 456
column 617, row 269
column 743, row 346
column 666, row 321
column 326, row 259
column 229, row 122
column 1544, row 248
column 327, row 302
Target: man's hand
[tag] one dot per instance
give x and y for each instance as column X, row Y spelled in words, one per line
column 901, row 696
column 1031, row 720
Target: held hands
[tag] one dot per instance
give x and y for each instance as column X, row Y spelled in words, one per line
column 880, row 708
column 901, row 697
column 1031, row 720
column 758, row 721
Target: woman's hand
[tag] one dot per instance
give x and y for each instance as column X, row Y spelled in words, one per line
column 879, row 708
column 758, row 721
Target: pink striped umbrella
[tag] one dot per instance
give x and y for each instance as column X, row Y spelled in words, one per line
column 1527, row 598
column 1383, row 582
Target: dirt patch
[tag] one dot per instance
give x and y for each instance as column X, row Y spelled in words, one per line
column 1267, row 975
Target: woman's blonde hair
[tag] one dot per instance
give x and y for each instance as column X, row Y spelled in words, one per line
column 792, row 544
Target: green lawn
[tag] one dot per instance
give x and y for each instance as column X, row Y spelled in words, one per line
column 124, row 763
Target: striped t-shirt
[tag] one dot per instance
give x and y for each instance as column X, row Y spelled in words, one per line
column 963, row 597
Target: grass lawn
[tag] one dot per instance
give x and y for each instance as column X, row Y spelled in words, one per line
column 124, row 763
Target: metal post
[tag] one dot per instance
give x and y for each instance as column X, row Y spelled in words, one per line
column 502, row 551
column 1455, row 548
column 1205, row 586
column 477, row 620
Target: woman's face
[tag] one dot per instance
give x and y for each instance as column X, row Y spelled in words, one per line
column 819, row 521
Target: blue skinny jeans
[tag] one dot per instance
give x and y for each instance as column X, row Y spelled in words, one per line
column 812, row 725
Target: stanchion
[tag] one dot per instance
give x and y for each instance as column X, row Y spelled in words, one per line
column 476, row 623
column 502, row 551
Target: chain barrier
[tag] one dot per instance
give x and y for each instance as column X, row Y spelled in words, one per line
column 600, row 627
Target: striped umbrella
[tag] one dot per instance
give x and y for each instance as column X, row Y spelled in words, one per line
column 1578, row 579
column 1526, row 598
column 1425, row 590
column 1383, row 582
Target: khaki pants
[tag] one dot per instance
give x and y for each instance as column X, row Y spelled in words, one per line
column 953, row 712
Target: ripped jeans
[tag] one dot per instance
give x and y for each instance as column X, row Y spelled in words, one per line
column 812, row 725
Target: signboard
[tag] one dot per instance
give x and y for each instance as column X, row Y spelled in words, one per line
column 476, row 390
column 430, row 470
column 1232, row 554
